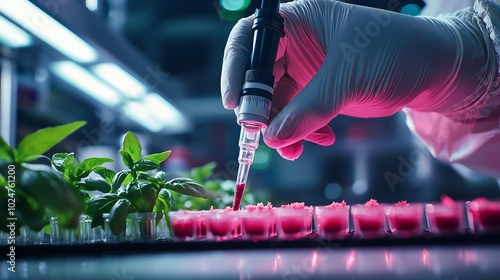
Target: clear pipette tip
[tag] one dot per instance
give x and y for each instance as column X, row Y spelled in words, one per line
column 249, row 142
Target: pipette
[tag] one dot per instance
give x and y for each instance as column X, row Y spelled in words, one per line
column 257, row 92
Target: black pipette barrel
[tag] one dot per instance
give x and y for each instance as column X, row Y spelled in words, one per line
column 268, row 28
column 257, row 91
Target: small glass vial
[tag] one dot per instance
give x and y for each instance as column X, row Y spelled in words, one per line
column 60, row 235
column 331, row 222
column 85, row 230
column 144, row 226
column 369, row 220
column 184, row 224
column 109, row 236
column 293, row 223
column 221, row 224
column 255, row 225
column 29, row 236
column 446, row 218
column 405, row 220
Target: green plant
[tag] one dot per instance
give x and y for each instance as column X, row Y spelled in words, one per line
column 139, row 188
column 204, row 175
column 76, row 173
column 33, row 190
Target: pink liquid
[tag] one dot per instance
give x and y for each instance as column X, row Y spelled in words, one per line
column 238, row 195
column 489, row 217
column 484, row 215
column 447, row 222
column 184, row 228
column 254, row 226
column 370, row 224
column 292, row 225
column 405, row 223
column 220, row 228
column 333, row 224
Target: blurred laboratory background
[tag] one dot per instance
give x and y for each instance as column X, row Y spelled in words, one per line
column 153, row 67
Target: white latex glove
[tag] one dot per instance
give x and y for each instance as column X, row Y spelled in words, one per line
column 338, row 58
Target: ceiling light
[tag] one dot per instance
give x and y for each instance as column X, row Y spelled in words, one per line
column 156, row 114
column 13, row 36
column 120, row 79
column 140, row 114
column 86, row 82
column 36, row 21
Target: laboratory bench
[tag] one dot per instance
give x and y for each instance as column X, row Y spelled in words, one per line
column 426, row 257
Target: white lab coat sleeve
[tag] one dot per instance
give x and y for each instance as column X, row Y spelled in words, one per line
column 438, row 7
column 473, row 144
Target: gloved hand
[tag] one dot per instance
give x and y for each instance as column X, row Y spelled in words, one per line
column 338, row 58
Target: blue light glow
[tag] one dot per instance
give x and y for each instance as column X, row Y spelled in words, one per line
column 86, row 82
column 36, row 21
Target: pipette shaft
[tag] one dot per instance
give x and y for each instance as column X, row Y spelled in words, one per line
column 255, row 101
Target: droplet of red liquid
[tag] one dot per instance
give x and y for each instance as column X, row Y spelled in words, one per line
column 238, row 195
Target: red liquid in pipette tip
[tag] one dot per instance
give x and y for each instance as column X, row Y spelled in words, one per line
column 238, row 195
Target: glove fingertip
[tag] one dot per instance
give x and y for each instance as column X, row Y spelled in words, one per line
column 228, row 102
column 291, row 152
column 323, row 136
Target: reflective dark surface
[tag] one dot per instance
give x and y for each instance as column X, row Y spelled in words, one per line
column 325, row 261
column 376, row 263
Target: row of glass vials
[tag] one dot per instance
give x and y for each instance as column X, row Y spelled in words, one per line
column 287, row 222
column 140, row 227
column 337, row 221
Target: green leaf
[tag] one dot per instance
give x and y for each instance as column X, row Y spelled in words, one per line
column 30, row 212
column 6, row 152
column 132, row 146
column 142, row 195
column 201, row 174
column 3, row 182
column 85, row 195
column 69, row 167
column 105, row 173
column 118, row 180
column 122, row 192
column 43, row 140
column 159, row 157
column 160, row 176
column 128, row 179
column 127, row 159
column 4, row 211
column 161, row 205
column 165, row 197
column 148, row 178
column 100, row 204
column 90, row 164
column 94, row 184
column 118, row 216
column 190, row 187
column 57, row 161
column 50, row 191
column 159, row 212
column 145, row 165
